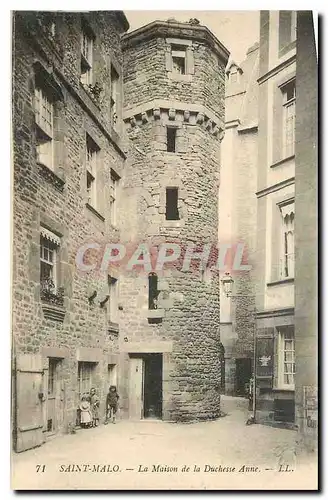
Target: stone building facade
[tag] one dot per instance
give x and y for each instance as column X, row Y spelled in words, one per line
column 275, row 256
column 268, row 189
column 287, row 225
column 237, row 217
column 67, row 148
column 88, row 172
column 306, row 234
column 174, row 114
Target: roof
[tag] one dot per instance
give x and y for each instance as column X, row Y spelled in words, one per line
column 175, row 29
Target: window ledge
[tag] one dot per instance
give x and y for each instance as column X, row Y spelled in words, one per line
column 283, row 389
column 155, row 313
column 112, row 227
column 282, row 161
column 94, row 211
column 281, row 282
column 89, row 94
column 52, row 312
column 179, row 78
column 172, row 223
column 57, row 180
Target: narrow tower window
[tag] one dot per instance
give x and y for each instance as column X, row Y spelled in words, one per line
column 172, row 212
column 171, row 138
column 152, row 291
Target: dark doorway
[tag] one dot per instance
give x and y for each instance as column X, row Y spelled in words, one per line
column 222, row 367
column 243, row 375
column 172, row 202
column 153, row 370
column 284, row 410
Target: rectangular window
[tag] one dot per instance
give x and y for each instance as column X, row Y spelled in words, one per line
column 287, row 246
column 152, row 291
column 172, row 211
column 288, row 128
column 178, row 59
column 113, row 299
column 85, row 376
column 44, row 118
column 49, row 247
column 86, row 57
column 92, row 152
column 287, row 30
column 114, row 181
column 171, row 133
column 114, row 96
column 286, row 359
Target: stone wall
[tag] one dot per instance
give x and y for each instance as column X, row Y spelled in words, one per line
column 191, row 313
column 146, row 78
column 58, row 200
column 238, row 211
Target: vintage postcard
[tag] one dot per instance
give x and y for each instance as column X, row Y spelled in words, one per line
column 164, row 268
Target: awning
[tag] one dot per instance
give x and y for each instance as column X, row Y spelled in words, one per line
column 50, row 236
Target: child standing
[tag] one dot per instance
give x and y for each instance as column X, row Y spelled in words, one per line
column 86, row 416
column 94, row 402
column 111, row 404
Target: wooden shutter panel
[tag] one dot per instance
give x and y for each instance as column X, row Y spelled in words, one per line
column 190, row 66
column 264, row 361
column 168, row 59
column 285, row 22
column 45, row 154
column 29, row 401
column 181, row 141
column 277, row 126
column 276, row 243
column 119, row 104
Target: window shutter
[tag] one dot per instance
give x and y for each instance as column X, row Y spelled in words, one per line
column 181, row 141
column 119, row 104
column 285, row 21
column 264, row 362
column 168, row 59
column 190, row 66
column 277, row 125
column 276, row 243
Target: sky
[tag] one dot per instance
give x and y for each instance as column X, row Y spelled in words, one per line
column 237, row 30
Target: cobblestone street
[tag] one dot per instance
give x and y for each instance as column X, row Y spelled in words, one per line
column 118, row 456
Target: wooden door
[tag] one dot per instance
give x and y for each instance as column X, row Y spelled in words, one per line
column 55, row 396
column 30, row 397
column 136, row 389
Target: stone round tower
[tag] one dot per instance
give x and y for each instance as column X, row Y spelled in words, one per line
column 174, row 117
